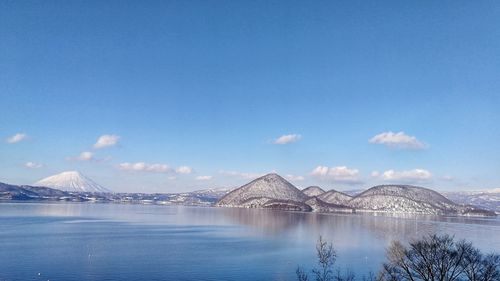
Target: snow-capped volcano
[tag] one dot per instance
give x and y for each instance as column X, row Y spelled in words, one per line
column 71, row 181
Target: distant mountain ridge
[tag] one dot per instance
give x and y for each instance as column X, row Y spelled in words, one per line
column 273, row 191
column 71, row 181
column 27, row 192
column 488, row 199
column 10, row 192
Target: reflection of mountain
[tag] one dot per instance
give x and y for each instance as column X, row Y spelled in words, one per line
column 272, row 191
column 383, row 226
column 264, row 221
column 353, row 231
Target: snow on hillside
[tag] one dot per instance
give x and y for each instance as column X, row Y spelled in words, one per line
column 335, row 197
column 313, row 191
column 409, row 191
column 486, row 199
column 71, row 181
column 393, row 204
column 212, row 192
column 321, row 206
column 404, row 198
column 261, row 190
column 274, row 191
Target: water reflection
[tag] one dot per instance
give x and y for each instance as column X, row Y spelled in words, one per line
column 123, row 242
column 346, row 229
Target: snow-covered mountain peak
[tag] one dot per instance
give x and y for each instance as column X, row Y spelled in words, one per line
column 73, row 174
column 313, row 191
column 271, row 176
column 270, row 186
column 71, row 181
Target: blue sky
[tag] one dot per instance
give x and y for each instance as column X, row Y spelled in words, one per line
column 195, row 94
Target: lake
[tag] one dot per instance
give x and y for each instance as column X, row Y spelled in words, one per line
column 71, row 241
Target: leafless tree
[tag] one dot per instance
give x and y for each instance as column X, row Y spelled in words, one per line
column 370, row 277
column 348, row 276
column 432, row 258
column 301, row 275
column 326, row 259
column 439, row 258
column 490, row 269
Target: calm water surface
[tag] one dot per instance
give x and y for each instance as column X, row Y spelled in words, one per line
column 146, row 242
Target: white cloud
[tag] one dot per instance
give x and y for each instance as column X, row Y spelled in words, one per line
column 285, row 139
column 145, row 167
column 185, row 170
column 398, row 140
column 85, row 156
column 410, row 176
column 106, row 140
column 340, row 174
column 294, row 178
column 16, row 138
column 33, row 165
column 204, row 178
column 247, row 176
column 155, row 168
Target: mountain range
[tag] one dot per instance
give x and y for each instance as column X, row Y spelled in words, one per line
column 27, row 193
column 488, row 199
column 274, row 192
